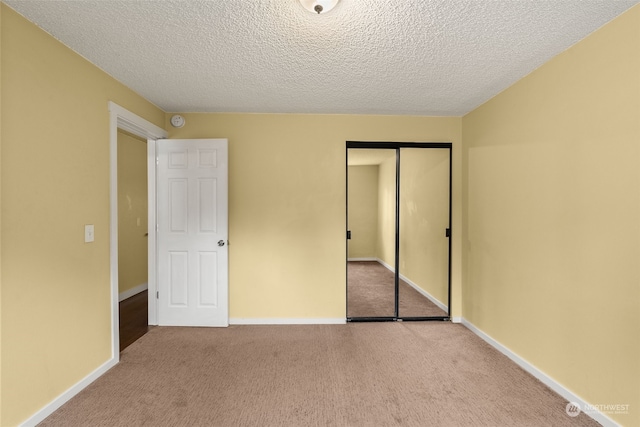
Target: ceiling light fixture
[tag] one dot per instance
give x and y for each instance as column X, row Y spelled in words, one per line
column 319, row 6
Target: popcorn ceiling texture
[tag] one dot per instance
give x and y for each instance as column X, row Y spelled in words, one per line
column 414, row 57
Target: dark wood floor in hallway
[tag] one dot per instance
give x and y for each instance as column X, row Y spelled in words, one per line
column 134, row 321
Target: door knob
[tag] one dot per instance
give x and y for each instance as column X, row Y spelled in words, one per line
column 220, row 242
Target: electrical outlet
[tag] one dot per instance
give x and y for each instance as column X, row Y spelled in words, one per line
column 88, row 233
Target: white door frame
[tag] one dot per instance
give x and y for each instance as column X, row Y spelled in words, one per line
column 120, row 118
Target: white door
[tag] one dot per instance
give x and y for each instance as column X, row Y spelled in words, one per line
column 192, row 232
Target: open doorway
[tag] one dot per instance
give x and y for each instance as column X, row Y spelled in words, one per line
column 121, row 119
column 398, row 231
column 132, row 238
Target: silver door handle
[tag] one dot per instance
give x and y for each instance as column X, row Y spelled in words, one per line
column 220, row 242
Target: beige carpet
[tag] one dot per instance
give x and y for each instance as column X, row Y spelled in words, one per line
column 358, row 374
column 371, row 293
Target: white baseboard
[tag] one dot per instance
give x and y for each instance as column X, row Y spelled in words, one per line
column 421, row 291
column 391, row 268
column 52, row 406
column 424, row 293
column 544, row 378
column 362, row 259
column 133, row 291
column 286, row 321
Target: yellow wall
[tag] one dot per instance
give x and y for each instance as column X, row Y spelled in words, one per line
column 132, row 212
column 55, row 178
column 386, row 242
column 287, row 204
column 424, row 218
column 363, row 211
column 553, row 208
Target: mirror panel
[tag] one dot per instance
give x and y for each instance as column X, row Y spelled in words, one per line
column 424, row 245
column 371, row 196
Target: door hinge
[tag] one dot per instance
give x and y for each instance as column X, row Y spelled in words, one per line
column 157, row 294
column 448, row 232
column 157, row 160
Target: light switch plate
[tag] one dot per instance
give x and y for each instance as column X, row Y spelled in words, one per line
column 88, row 233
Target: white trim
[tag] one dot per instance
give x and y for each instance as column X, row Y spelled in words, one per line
column 133, row 291
column 457, row 319
column 424, row 293
column 544, row 378
column 52, row 406
column 387, row 266
column 286, row 321
column 362, row 259
column 421, row 291
column 152, row 268
column 132, row 123
column 120, row 118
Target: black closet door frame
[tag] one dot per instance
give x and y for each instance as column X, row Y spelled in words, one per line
column 382, row 145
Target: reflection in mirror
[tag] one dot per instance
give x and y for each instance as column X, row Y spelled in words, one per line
column 371, row 196
column 424, row 245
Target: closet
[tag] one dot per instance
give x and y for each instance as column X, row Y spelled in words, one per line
column 398, row 231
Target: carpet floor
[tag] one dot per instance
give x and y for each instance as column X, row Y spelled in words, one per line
column 358, row 374
column 371, row 293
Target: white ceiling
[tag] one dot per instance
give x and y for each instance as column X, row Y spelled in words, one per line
column 415, row 57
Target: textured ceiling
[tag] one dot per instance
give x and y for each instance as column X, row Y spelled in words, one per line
column 417, row 57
